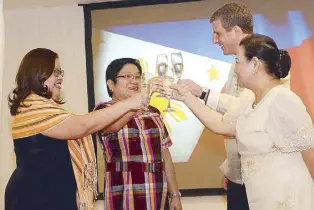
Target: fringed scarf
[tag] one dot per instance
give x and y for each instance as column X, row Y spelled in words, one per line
column 38, row 114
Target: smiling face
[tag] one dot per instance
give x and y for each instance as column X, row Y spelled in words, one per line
column 128, row 83
column 54, row 82
column 226, row 39
column 245, row 69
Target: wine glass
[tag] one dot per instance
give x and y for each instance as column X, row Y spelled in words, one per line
column 161, row 67
column 145, row 87
column 177, row 64
column 167, row 81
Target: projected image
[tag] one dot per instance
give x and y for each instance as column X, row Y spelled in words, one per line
column 146, row 34
column 145, row 42
column 203, row 61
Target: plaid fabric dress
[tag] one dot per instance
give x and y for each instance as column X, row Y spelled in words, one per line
column 134, row 177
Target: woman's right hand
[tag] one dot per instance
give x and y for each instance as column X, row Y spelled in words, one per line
column 194, row 88
column 138, row 101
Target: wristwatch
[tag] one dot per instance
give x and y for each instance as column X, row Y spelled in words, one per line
column 205, row 91
column 177, row 194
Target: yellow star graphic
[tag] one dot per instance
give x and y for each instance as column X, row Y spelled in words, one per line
column 143, row 64
column 161, row 103
column 213, row 73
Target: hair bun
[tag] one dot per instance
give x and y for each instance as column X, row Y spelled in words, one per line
column 284, row 64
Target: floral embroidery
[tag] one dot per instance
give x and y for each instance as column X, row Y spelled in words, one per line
column 250, row 165
column 287, row 204
column 298, row 141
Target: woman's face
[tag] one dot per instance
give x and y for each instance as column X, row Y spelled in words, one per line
column 244, row 68
column 128, row 82
column 55, row 80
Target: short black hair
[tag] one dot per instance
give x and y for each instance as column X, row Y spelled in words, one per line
column 115, row 67
column 265, row 48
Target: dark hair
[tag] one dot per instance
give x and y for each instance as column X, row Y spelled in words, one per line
column 36, row 67
column 278, row 62
column 234, row 14
column 115, row 67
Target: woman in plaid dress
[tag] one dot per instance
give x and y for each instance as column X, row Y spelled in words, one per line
column 139, row 169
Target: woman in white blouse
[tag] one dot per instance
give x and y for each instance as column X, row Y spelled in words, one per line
column 275, row 132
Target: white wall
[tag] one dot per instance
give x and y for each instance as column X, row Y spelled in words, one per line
column 14, row 4
column 58, row 28
column 3, row 144
column 1, row 51
column 19, row 4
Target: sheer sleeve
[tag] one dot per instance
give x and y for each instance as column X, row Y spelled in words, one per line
column 290, row 126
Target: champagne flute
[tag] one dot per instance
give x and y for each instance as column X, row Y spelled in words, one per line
column 161, row 67
column 168, row 80
column 177, row 64
column 145, row 87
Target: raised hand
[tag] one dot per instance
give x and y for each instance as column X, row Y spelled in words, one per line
column 138, row 101
column 194, row 88
column 156, row 85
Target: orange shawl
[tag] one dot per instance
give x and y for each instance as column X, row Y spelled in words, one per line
column 39, row 114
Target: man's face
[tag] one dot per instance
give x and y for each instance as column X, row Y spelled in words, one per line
column 226, row 39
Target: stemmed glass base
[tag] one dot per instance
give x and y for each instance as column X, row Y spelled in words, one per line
column 160, row 95
column 168, row 109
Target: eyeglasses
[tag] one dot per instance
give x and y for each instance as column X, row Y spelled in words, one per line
column 129, row 77
column 58, row 72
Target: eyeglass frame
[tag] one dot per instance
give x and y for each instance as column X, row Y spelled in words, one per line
column 129, row 77
column 58, row 72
